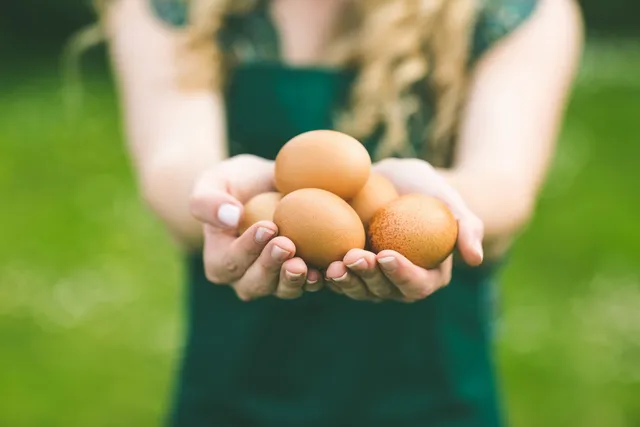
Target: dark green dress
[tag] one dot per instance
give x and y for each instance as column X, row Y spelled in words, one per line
column 325, row 360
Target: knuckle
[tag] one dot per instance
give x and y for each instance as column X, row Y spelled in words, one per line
column 211, row 275
column 230, row 266
column 381, row 290
column 243, row 158
column 263, row 290
column 422, row 292
column 358, row 294
column 211, row 272
column 244, row 297
column 289, row 293
column 214, row 270
column 252, row 292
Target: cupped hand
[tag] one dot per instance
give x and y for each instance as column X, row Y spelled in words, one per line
column 363, row 275
column 258, row 263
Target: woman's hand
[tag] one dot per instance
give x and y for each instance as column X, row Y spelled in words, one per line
column 388, row 275
column 257, row 263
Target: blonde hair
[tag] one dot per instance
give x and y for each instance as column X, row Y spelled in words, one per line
column 397, row 45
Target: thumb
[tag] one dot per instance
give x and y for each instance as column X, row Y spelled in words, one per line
column 470, row 237
column 211, row 204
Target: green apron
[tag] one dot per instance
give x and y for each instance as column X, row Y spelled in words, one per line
column 324, row 360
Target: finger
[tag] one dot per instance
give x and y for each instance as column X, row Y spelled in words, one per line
column 335, row 288
column 211, row 204
column 262, row 277
column 314, row 281
column 414, row 282
column 470, row 235
column 363, row 265
column 293, row 276
column 470, row 227
column 350, row 284
column 446, row 271
column 228, row 258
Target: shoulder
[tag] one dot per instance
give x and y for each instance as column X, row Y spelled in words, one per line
column 497, row 19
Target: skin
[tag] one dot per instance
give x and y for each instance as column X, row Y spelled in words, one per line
column 509, row 128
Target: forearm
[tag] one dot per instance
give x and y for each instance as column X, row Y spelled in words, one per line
column 504, row 203
column 172, row 135
column 170, row 149
column 166, row 183
column 512, row 118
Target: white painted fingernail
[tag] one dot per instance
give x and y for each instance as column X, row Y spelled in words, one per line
column 358, row 263
column 292, row 276
column 478, row 248
column 341, row 278
column 229, row 215
column 388, row 263
column 263, row 234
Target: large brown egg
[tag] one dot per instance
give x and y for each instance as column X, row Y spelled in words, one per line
column 321, row 225
column 259, row 208
column 377, row 192
column 324, row 159
column 422, row 228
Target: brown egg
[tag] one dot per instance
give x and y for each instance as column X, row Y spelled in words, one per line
column 324, row 159
column 321, row 225
column 422, row 228
column 377, row 192
column 259, row 208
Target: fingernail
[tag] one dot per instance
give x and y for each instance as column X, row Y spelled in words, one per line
column 341, row 278
column 229, row 215
column 279, row 254
column 478, row 249
column 358, row 263
column 388, row 263
column 292, row 276
column 311, row 282
column 263, row 234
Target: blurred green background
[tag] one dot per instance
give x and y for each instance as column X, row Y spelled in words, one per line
column 90, row 296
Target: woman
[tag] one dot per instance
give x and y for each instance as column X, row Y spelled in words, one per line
column 455, row 98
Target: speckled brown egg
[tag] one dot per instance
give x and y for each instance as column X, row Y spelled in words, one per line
column 420, row 227
column 322, row 226
column 377, row 192
column 323, row 159
column 259, row 208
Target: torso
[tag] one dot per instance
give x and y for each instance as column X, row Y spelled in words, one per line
column 324, row 360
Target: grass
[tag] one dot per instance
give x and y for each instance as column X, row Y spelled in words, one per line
column 90, row 286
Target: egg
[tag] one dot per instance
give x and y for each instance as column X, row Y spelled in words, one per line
column 259, row 208
column 420, row 227
column 322, row 226
column 377, row 192
column 323, row 159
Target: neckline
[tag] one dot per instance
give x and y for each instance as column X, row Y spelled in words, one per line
column 302, row 69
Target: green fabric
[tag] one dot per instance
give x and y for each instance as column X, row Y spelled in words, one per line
column 325, row 360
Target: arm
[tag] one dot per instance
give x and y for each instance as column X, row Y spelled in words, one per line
column 177, row 142
column 173, row 135
column 517, row 99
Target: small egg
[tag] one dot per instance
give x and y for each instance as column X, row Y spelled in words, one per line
column 323, row 159
column 420, row 227
column 377, row 192
column 259, row 208
column 322, row 226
